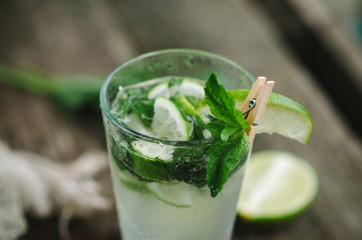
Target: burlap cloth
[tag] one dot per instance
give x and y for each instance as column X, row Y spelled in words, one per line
column 34, row 185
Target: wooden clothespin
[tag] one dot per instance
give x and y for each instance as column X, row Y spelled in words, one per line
column 258, row 95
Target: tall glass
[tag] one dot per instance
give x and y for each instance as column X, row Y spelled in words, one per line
column 164, row 201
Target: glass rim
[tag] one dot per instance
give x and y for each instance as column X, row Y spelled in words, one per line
column 106, row 111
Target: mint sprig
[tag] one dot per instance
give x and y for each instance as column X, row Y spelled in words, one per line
column 74, row 94
column 222, row 105
column 230, row 140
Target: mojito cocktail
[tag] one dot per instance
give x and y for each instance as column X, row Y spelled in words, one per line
column 171, row 178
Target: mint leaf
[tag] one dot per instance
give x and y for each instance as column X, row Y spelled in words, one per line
column 227, row 128
column 221, row 104
column 190, row 165
column 227, row 132
column 215, row 127
column 223, row 158
column 135, row 100
column 175, row 81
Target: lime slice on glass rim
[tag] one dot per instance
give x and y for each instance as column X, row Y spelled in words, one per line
column 277, row 186
column 282, row 115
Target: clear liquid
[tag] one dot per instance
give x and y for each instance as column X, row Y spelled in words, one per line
column 143, row 216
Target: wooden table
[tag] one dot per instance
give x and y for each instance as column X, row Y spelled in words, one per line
column 93, row 37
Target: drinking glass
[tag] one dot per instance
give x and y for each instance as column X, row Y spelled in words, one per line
column 158, row 200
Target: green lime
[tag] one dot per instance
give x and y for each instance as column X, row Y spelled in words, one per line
column 149, row 168
column 148, row 159
column 277, row 186
column 176, row 194
column 282, row 115
column 150, row 164
column 152, row 161
column 168, row 121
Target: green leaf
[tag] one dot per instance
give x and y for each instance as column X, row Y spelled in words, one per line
column 227, row 132
column 227, row 128
column 215, row 128
column 144, row 108
column 175, row 81
column 135, row 100
column 190, row 165
column 221, row 104
column 223, row 158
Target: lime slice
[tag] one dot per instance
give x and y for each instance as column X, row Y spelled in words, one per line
column 134, row 122
column 176, row 194
column 146, row 148
column 282, row 115
column 148, row 168
column 183, row 103
column 187, row 87
column 277, row 186
column 153, row 150
column 168, row 121
column 160, row 90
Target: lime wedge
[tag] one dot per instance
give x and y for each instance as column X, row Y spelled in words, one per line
column 282, row 115
column 153, row 150
column 176, row 194
column 168, row 121
column 277, row 186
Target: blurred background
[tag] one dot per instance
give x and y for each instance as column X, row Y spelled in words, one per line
column 310, row 48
